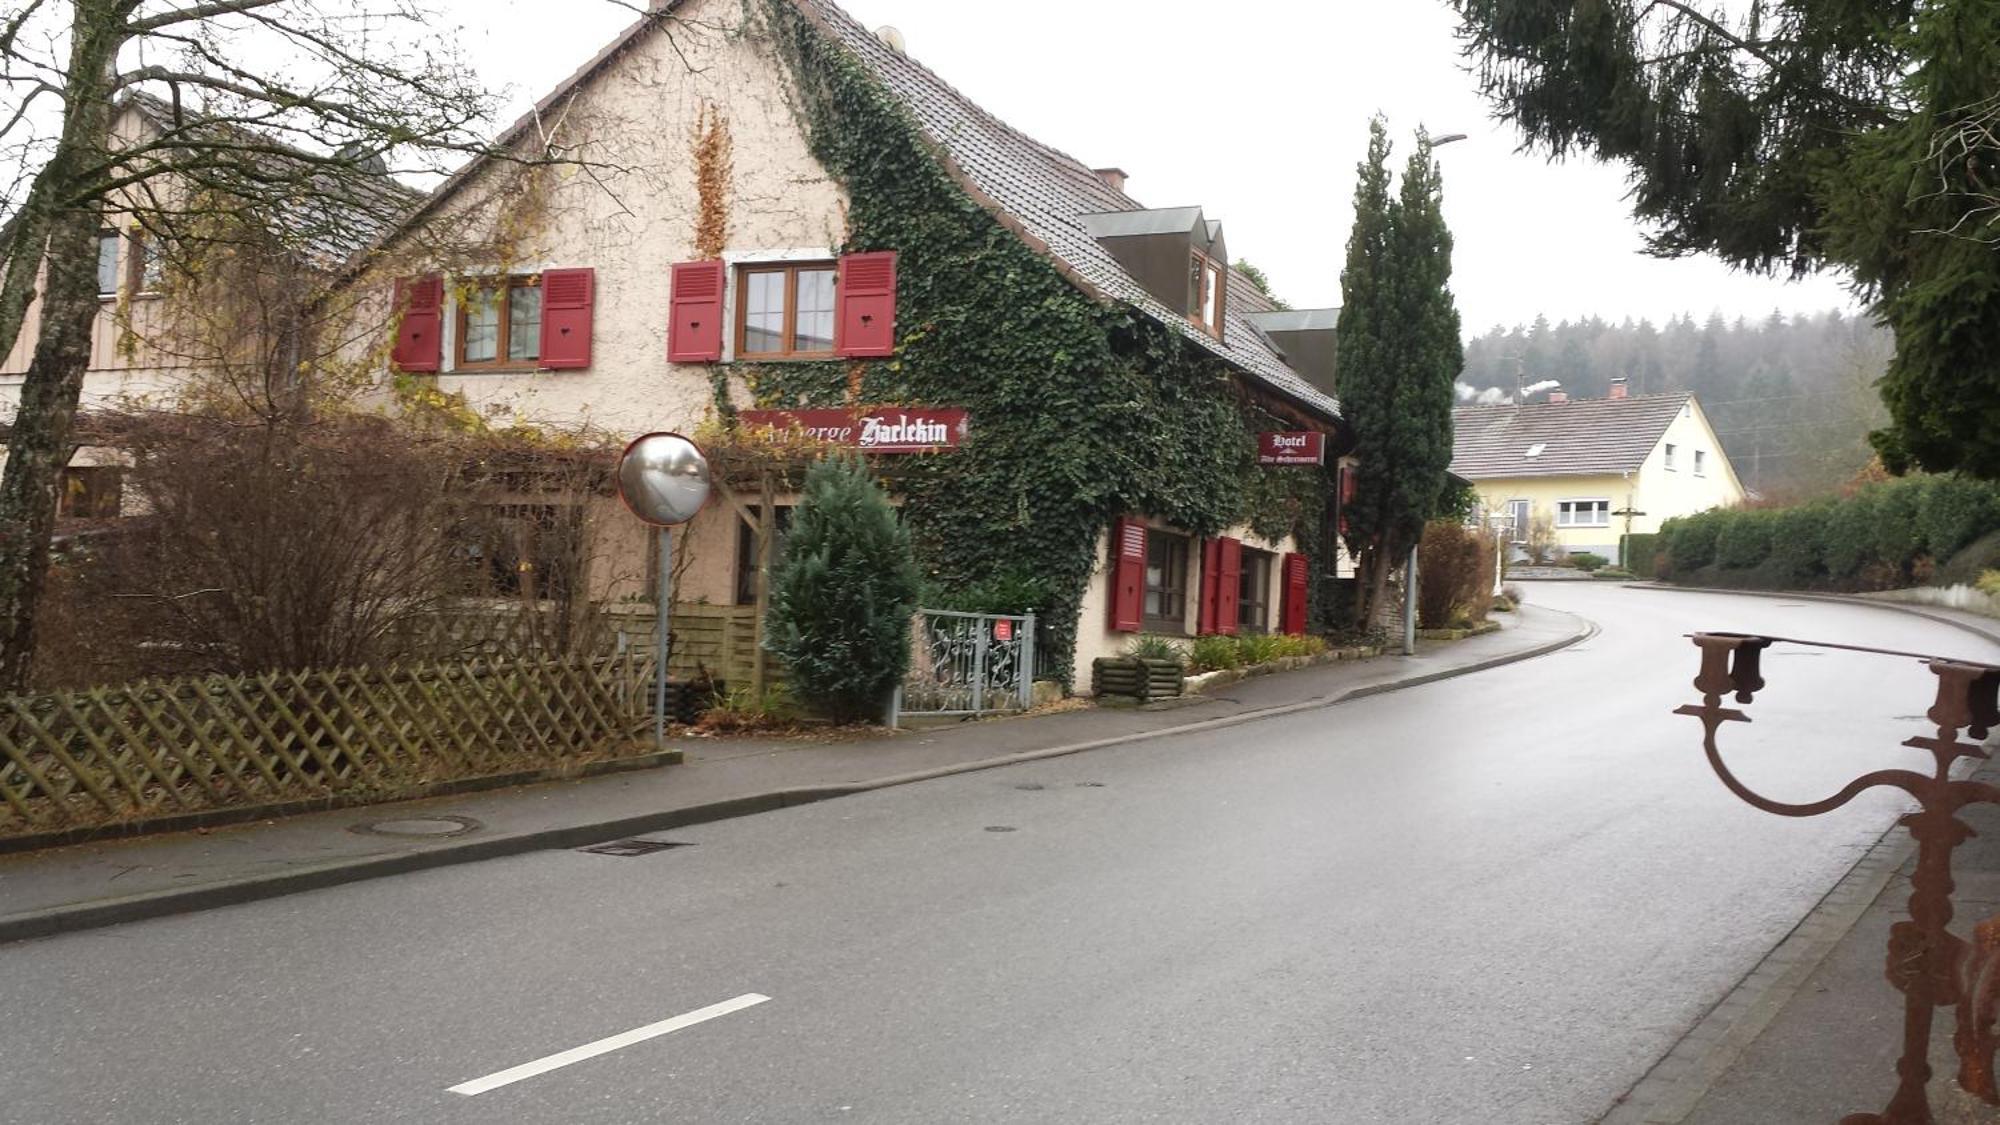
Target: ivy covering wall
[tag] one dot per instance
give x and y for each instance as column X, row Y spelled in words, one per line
column 1081, row 410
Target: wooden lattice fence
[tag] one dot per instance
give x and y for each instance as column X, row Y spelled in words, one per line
column 111, row 756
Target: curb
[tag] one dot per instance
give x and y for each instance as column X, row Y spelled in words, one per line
column 1830, row 599
column 158, row 904
column 1682, row 1078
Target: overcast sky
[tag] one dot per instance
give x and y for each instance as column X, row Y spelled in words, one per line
column 1257, row 110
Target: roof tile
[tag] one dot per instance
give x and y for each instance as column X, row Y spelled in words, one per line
column 1049, row 192
column 1579, row 437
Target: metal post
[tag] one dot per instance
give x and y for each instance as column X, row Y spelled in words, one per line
column 984, row 625
column 663, row 611
column 1410, row 605
column 1028, row 661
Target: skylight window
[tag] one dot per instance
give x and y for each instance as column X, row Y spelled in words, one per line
column 1535, row 450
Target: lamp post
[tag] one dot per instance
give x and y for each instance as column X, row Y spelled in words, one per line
column 664, row 480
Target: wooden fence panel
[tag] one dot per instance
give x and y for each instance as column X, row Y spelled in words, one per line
column 109, row 756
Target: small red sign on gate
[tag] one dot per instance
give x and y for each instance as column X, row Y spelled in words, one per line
column 1003, row 630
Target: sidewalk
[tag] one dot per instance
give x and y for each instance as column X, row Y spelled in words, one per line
column 105, row 883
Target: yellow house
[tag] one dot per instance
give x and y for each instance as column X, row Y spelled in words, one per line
column 1593, row 469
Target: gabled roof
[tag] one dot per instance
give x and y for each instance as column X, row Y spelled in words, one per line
column 330, row 211
column 1042, row 192
column 1048, row 193
column 1576, row 438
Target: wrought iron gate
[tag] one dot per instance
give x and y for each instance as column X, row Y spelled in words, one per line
column 969, row 664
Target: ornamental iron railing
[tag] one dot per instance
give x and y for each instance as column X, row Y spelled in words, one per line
column 1931, row 966
column 969, row 664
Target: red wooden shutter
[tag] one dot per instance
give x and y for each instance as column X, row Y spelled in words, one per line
column 866, row 322
column 419, row 342
column 1211, row 572
column 1128, row 574
column 694, row 328
column 1296, row 569
column 1229, row 585
column 567, row 300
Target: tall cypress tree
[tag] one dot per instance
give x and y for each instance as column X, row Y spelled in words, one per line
column 1399, row 355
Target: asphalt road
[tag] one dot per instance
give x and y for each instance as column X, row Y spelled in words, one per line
column 1495, row 899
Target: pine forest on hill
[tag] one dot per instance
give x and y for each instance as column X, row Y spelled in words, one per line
column 1791, row 399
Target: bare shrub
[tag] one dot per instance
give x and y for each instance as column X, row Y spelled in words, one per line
column 270, row 544
column 1454, row 574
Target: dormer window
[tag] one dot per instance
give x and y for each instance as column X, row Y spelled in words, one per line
column 1208, row 283
column 1178, row 257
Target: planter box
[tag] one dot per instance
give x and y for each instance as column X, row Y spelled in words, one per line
column 1137, row 677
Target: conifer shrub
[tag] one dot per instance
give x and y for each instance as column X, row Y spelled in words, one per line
column 843, row 594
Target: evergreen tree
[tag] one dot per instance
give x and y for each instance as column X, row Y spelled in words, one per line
column 1794, row 135
column 843, row 594
column 1400, row 355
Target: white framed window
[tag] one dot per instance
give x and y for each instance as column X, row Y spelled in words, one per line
column 1583, row 513
column 1700, row 463
column 1671, row 467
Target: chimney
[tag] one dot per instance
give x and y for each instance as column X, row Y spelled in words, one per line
column 1116, row 177
column 1618, row 388
column 1557, row 398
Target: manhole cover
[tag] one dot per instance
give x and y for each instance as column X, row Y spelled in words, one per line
column 630, row 848
column 420, row 827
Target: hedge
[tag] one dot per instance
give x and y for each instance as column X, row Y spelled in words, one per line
column 1885, row 534
column 1637, row 553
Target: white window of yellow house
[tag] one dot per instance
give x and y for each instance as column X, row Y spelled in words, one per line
column 1583, row 513
column 107, row 263
column 1700, row 463
column 1670, row 457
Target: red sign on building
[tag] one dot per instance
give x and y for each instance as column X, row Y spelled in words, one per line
column 887, row 429
column 1300, row 447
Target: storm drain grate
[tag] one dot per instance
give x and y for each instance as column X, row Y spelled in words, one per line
column 629, row 848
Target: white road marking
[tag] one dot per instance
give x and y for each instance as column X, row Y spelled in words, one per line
column 605, row 1046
